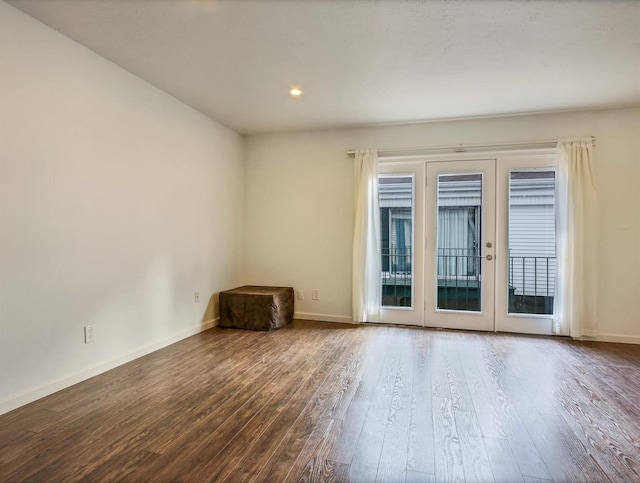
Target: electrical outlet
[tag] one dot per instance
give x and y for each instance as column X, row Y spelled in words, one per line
column 314, row 294
column 88, row 334
column 196, row 296
column 300, row 294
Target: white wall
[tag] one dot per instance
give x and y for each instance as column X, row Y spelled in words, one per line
column 117, row 202
column 299, row 204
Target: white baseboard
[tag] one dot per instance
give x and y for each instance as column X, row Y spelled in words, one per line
column 342, row 319
column 16, row 401
column 345, row 319
column 624, row 339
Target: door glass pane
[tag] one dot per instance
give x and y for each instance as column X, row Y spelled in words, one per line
column 458, row 242
column 396, row 197
column 532, row 246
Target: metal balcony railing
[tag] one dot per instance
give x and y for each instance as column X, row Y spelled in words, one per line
column 531, row 280
column 397, row 260
column 458, row 263
column 458, row 272
column 531, row 284
column 396, row 277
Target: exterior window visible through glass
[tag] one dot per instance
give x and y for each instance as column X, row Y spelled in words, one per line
column 532, row 246
column 458, row 250
column 396, row 197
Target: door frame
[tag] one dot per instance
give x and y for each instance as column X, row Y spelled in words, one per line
column 461, row 319
column 413, row 315
column 504, row 321
column 504, row 160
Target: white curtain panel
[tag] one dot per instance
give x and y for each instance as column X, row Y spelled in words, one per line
column 366, row 239
column 575, row 308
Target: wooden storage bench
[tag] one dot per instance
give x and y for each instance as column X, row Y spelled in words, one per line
column 256, row 307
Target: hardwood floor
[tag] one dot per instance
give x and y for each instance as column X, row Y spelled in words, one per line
column 318, row 401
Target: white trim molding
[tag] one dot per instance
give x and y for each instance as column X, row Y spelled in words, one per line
column 342, row 319
column 622, row 339
column 17, row 400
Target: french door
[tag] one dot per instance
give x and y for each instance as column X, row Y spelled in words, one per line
column 469, row 243
column 526, row 265
column 401, row 199
column 460, row 244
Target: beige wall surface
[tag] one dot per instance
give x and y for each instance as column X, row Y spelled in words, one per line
column 299, row 204
column 117, row 203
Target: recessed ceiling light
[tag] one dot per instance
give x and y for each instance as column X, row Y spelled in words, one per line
column 295, row 92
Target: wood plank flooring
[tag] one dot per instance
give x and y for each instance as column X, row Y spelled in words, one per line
column 328, row 402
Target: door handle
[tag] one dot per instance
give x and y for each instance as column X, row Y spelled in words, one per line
column 489, row 257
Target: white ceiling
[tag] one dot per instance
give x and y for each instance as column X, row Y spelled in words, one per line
column 364, row 61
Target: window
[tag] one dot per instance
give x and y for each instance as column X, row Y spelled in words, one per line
column 396, row 226
column 532, row 247
column 458, row 255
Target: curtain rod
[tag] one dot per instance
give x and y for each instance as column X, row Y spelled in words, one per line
column 463, row 148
